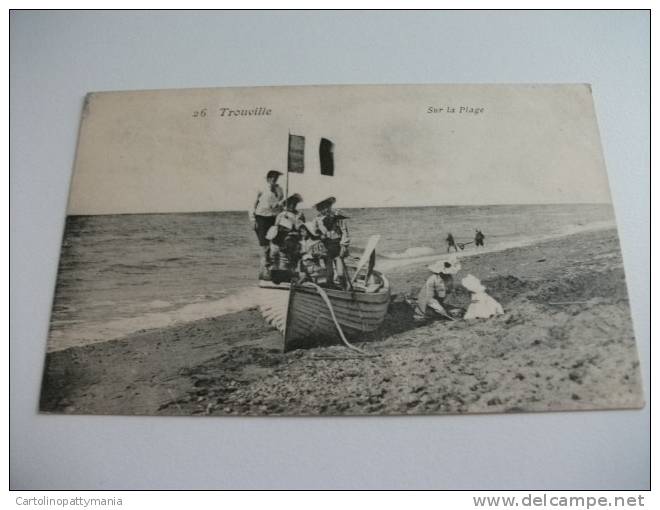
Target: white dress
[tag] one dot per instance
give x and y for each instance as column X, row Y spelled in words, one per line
column 483, row 306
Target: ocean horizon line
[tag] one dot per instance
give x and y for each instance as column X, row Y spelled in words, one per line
column 162, row 213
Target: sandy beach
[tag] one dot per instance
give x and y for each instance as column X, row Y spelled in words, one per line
column 565, row 342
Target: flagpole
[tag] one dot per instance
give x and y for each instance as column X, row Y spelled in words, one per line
column 286, row 184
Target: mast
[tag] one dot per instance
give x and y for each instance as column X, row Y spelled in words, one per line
column 288, row 164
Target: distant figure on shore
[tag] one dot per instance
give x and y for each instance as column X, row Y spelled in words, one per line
column 267, row 206
column 479, row 238
column 333, row 230
column 451, row 242
column 432, row 296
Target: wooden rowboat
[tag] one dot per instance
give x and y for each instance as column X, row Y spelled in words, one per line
column 302, row 314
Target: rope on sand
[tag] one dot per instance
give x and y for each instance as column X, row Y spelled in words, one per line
column 326, row 299
column 569, row 303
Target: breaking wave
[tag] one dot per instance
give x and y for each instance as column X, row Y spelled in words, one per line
column 400, row 260
column 417, row 251
column 94, row 332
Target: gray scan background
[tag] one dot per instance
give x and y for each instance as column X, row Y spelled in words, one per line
column 57, row 57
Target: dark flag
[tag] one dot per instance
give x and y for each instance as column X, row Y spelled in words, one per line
column 327, row 159
column 296, row 159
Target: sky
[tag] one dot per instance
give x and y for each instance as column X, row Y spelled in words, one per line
column 149, row 151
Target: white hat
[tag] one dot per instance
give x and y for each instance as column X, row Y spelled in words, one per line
column 473, row 284
column 445, row 266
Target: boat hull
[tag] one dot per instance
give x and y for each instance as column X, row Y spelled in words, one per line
column 309, row 322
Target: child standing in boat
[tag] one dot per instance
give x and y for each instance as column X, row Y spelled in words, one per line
column 331, row 225
column 266, row 208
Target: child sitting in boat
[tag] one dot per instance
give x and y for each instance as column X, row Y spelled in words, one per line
column 283, row 235
column 331, row 225
column 312, row 253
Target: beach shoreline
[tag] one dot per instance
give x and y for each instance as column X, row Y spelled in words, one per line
column 79, row 334
column 565, row 342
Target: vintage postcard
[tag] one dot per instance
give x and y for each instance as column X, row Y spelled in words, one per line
column 340, row 250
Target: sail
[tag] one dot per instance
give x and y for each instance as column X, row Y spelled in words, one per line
column 368, row 256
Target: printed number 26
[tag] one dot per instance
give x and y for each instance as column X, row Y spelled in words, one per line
column 200, row 113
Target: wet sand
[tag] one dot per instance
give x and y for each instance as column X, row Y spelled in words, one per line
column 565, row 342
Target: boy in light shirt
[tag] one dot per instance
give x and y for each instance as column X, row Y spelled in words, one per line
column 267, row 206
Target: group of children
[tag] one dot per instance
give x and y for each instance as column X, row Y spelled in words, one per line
column 432, row 298
column 292, row 247
column 315, row 251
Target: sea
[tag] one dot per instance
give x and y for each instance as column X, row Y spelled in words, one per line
column 119, row 274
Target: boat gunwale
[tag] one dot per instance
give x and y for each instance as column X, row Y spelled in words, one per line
column 379, row 296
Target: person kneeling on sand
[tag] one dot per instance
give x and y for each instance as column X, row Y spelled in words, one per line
column 482, row 305
column 432, row 296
